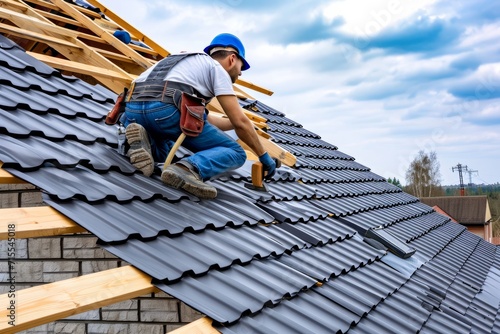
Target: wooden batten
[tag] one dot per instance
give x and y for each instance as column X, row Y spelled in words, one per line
column 50, row 302
column 254, row 87
column 200, row 326
column 103, row 33
column 7, row 178
column 131, row 29
column 274, row 150
column 35, row 222
column 74, row 66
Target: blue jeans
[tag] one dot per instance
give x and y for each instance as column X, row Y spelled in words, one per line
column 214, row 151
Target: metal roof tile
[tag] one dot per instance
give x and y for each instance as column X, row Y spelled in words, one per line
column 23, row 123
column 241, row 289
column 196, row 253
column 32, row 152
column 332, row 259
column 15, row 57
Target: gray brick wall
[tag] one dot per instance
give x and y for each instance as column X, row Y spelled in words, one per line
column 51, row 259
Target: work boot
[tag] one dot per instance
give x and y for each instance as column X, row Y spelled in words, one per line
column 179, row 176
column 140, row 148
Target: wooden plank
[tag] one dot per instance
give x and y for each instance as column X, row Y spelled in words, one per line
column 46, row 303
column 274, row 150
column 104, row 34
column 143, row 49
column 80, row 52
column 7, row 178
column 34, row 36
column 200, row 326
column 130, row 28
column 58, row 18
column 34, row 222
column 113, row 55
column 255, row 87
column 43, row 4
column 73, row 66
column 32, row 22
column 14, row 4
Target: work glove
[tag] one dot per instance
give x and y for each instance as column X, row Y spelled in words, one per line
column 268, row 165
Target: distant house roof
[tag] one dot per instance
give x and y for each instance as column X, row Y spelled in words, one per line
column 467, row 210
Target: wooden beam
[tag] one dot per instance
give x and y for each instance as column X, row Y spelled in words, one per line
column 58, row 18
column 200, row 326
column 14, row 4
column 7, row 178
column 49, row 302
column 35, row 222
column 113, row 55
column 43, row 4
column 254, row 87
column 131, row 29
column 103, row 33
column 8, row 29
column 77, row 67
column 34, row 22
column 274, row 150
column 80, row 52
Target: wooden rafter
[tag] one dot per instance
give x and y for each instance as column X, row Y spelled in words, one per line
column 103, row 33
column 7, row 178
column 131, row 29
column 35, row 222
column 74, row 50
column 45, row 303
column 200, row 326
column 75, row 66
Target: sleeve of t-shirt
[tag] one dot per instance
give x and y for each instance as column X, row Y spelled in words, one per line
column 221, row 81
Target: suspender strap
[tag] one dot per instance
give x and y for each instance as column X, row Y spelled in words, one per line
column 155, row 88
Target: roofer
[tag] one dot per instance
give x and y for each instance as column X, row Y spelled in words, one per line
column 152, row 117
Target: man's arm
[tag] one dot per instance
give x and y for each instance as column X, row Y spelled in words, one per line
column 242, row 125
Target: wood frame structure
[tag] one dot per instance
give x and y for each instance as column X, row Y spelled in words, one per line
column 80, row 42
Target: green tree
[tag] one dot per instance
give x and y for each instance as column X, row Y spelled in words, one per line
column 423, row 176
column 395, row 182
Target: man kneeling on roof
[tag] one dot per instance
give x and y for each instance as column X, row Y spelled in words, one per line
column 152, row 117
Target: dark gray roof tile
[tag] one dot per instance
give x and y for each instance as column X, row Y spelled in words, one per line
column 241, row 289
column 332, row 259
column 33, row 152
column 197, row 253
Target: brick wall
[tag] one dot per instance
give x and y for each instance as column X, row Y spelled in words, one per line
column 50, row 259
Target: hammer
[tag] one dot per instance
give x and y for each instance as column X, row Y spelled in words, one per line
column 258, row 176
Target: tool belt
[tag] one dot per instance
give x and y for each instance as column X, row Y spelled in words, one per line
column 192, row 108
column 160, row 90
column 192, row 111
column 118, row 109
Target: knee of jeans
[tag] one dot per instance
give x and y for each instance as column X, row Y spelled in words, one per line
column 241, row 156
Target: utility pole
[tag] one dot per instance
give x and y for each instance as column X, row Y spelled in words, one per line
column 475, row 172
column 460, row 168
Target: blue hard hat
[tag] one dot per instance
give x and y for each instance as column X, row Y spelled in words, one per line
column 225, row 40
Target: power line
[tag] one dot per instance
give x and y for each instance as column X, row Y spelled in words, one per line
column 475, row 172
column 459, row 167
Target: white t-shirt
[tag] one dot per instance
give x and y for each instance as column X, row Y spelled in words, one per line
column 203, row 73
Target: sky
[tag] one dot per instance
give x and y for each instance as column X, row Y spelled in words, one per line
column 380, row 79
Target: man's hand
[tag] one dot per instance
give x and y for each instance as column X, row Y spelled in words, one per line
column 268, row 164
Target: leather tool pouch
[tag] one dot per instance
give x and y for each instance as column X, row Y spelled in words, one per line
column 192, row 114
column 119, row 108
